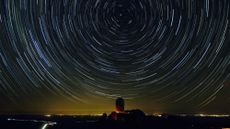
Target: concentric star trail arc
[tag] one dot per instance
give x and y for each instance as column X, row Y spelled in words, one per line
column 171, row 51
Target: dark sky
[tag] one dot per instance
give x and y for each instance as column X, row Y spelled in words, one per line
column 77, row 56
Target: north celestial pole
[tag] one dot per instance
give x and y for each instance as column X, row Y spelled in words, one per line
column 161, row 55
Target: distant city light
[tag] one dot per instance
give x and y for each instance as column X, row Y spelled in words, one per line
column 48, row 115
column 211, row 115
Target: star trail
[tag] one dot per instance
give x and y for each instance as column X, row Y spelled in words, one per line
column 171, row 52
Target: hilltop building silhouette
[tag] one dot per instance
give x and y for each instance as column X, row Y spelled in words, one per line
column 120, row 105
column 120, row 114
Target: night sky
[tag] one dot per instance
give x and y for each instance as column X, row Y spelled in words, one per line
column 77, row 56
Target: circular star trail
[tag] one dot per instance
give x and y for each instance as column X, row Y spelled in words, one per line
column 166, row 50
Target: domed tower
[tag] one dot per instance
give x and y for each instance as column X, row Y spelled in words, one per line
column 120, row 105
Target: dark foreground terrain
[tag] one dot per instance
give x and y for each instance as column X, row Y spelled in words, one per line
column 97, row 122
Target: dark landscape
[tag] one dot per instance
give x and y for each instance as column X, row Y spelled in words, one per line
column 101, row 122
